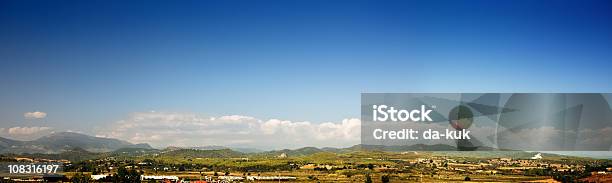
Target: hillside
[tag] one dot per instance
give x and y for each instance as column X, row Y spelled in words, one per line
column 416, row 147
column 195, row 153
column 58, row 142
column 304, row 151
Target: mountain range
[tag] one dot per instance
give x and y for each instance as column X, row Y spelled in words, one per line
column 56, row 143
column 70, row 143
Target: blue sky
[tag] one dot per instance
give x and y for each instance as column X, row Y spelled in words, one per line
column 93, row 63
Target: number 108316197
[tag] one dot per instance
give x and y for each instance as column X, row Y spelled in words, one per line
column 32, row 168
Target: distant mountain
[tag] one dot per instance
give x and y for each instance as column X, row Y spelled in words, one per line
column 73, row 154
column 58, row 142
column 194, row 153
column 242, row 150
column 499, row 154
column 246, row 150
column 7, row 143
column 416, row 147
column 304, row 151
column 208, row 147
column 333, row 149
column 134, row 151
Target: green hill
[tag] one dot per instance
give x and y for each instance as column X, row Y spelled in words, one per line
column 194, row 153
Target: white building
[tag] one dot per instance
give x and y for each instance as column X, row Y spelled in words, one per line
column 537, row 156
column 98, row 177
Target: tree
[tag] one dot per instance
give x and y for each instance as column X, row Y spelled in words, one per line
column 182, row 168
column 123, row 175
column 79, row 178
column 385, row 178
column 368, row 179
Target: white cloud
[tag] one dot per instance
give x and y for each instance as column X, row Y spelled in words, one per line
column 26, row 130
column 25, row 133
column 163, row 129
column 35, row 115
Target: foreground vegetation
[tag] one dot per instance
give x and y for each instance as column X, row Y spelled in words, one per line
column 317, row 165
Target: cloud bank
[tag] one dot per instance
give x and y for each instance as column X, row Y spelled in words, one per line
column 25, row 133
column 162, row 129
